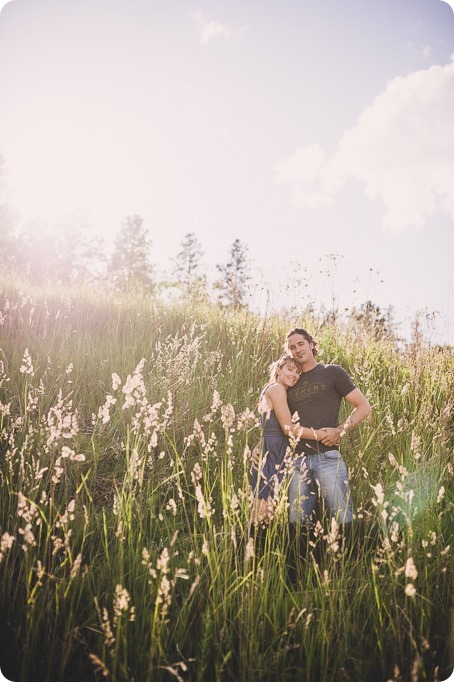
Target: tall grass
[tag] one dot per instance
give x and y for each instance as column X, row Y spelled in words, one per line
column 127, row 551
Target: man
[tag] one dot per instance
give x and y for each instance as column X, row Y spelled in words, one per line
column 316, row 398
column 319, row 469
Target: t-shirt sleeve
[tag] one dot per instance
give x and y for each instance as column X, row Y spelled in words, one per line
column 342, row 382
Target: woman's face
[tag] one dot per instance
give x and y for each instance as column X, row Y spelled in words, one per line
column 288, row 375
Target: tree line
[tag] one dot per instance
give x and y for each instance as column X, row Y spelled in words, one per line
column 70, row 254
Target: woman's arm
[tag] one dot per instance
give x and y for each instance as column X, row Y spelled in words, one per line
column 278, row 397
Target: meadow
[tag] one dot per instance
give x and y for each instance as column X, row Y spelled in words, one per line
column 127, row 552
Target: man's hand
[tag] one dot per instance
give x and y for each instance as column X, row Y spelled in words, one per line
column 331, row 436
column 255, row 456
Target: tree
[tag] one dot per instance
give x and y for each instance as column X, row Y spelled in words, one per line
column 64, row 253
column 79, row 255
column 8, row 220
column 188, row 267
column 130, row 265
column 234, row 276
column 370, row 317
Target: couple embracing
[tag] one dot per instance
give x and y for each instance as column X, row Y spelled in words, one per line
column 301, row 404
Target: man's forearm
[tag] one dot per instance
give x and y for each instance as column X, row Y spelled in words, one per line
column 358, row 414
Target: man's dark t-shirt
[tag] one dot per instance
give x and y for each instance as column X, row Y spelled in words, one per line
column 316, row 397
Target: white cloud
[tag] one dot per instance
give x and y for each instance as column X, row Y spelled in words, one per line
column 401, row 150
column 208, row 28
column 450, row 3
column 3, row 3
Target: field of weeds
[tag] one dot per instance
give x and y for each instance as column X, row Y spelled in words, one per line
column 126, row 549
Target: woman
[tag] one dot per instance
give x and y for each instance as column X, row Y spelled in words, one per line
column 277, row 426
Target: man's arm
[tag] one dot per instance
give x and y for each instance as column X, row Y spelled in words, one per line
column 361, row 409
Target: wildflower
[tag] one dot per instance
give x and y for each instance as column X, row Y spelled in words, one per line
column 390, row 422
column 227, row 416
column 410, row 569
column 67, row 516
column 333, row 537
column 28, row 536
column 116, row 381
column 6, row 543
column 172, row 506
column 249, row 550
column 246, row 455
column 104, row 410
column 134, row 467
column 196, row 473
column 109, row 639
column 393, row 460
column 410, row 590
column 164, row 596
column 326, row 578
column 119, row 532
column 204, row 507
column 234, row 503
column 217, row 402
column 69, row 370
column 166, row 419
column 61, row 422
column 441, row 492
column 5, row 409
column 27, row 511
column 27, row 367
column 415, row 445
column 121, row 602
column 197, row 434
column 66, row 452
column 98, row 665
column 163, row 561
column 182, row 573
column 76, row 566
column 394, row 531
column 194, row 586
column 247, row 419
column 134, row 387
column 378, row 490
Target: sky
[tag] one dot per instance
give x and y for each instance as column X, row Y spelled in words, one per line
column 318, row 132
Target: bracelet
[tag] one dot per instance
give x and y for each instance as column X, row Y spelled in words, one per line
column 348, row 422
column 314, row 434
column 345, row 427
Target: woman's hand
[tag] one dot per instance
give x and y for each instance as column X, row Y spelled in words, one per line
column 331, row 436
column 255, row 456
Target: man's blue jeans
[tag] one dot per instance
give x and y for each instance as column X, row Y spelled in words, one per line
column 325, row 475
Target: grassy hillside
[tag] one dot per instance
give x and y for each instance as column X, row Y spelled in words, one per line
column 126, row 548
